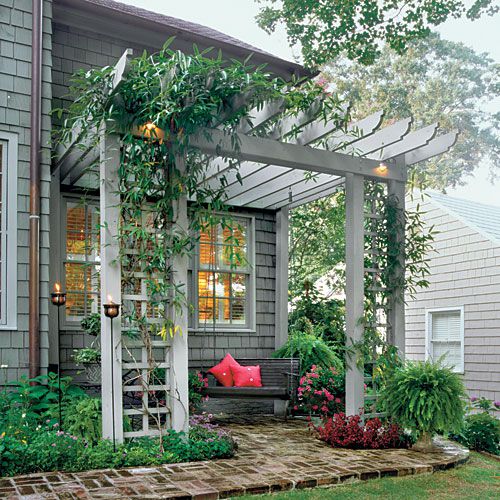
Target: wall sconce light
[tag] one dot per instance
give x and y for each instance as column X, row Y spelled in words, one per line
column 382, row 168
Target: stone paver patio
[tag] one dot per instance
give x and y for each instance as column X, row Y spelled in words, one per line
column 273, row 455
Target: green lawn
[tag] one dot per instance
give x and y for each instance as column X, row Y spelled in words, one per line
column 478, row 479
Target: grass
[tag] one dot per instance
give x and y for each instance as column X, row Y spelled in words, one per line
column 478, row 479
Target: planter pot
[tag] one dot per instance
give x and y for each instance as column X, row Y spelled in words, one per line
column 93, row 372
column 425, row 444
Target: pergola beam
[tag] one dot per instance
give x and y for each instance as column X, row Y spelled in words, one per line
column 260, row 150
column 437, row 146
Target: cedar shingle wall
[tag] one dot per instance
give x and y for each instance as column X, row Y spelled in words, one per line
column 465, row 271
column 15, row 91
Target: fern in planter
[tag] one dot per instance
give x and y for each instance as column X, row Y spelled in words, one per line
column 426, row 398
column 305, row 343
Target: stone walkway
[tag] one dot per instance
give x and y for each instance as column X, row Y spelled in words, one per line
column 273, row 456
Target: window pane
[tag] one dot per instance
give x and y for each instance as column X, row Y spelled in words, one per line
column 206, row 309
column 222, row 285
column 238, row 285
column 223, row 311
column 238, row 311
column 205, row 284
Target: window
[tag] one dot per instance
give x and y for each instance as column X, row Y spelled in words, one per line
column 445, row 337
column 224, row 275
column 81, row 262
column 8, row 231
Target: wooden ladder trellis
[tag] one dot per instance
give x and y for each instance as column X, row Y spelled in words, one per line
column 376, row 303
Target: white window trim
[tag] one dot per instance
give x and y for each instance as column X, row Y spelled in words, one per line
column 250, row 326
column 428, row 333
column 8, row 317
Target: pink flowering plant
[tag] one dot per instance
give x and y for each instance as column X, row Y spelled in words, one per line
column 321, row 392
column 197, row 385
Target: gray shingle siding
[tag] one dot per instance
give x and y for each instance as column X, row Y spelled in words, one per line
column 465, row 271
column 15, row 91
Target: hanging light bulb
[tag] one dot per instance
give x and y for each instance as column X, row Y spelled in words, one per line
column 382, row 168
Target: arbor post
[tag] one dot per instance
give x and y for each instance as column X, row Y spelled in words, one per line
column 281, row 301
column 354, row 235
column 179, row 404
column 396, row 310
column 111, row 278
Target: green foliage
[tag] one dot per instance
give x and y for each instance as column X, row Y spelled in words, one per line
column 481, row 432
column 425, row 398
column 450, row 84
column 83, row 418
column 92, row 324
column 358, row 28
column 326, row 315
column 45, row 448
column 317, row 243
column 86, row 355
column 305, row 343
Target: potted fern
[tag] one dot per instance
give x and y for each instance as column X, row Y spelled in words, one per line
column 425, row 398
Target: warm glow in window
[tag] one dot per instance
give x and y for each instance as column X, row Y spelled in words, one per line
column 81, row 265
column 223, row 274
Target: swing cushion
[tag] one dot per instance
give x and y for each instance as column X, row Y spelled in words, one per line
column 223, row 371
column 246, row 376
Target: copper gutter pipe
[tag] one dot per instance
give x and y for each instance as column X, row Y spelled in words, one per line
column 34, row 221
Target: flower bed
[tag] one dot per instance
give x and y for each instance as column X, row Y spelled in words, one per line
column 31, row 440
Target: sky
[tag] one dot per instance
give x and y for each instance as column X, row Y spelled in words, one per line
column 237, row 18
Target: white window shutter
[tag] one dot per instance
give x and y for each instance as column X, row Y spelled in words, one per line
column 446, row 337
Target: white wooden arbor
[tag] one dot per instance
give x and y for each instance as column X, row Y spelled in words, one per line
column 273, row 171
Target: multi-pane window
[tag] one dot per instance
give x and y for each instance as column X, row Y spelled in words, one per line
column 445, row 337
column 8, row 230
column 82, row 262
column 224, row 274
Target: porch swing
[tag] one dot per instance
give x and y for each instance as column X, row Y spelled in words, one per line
column 279, row 376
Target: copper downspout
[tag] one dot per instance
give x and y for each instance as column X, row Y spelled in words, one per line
column 34, row 224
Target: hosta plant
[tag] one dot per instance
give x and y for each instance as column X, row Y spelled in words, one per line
column 426, row 398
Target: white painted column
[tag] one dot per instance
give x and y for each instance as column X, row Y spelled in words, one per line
column 281, row 304
column 281, row 297
column 354, row 236
column 111, row 355
column 396, row 313
column 179, row 404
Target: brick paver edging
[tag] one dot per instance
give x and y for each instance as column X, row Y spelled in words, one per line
column 273, row 456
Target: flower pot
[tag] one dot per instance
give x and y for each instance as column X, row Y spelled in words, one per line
column 93, row 372
column 424, row 443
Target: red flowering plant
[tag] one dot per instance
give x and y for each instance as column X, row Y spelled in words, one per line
column 197, row 385
column 341, row 431
column 321, row 392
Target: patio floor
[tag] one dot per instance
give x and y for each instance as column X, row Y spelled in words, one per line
column 273, row 455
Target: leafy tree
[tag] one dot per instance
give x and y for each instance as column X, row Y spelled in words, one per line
column 434, row 81
column 326, row 29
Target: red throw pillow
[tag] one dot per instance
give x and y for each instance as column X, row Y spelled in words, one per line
column 246, row 376
column 222, row 371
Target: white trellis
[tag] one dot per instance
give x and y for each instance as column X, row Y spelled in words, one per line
column 272, row 170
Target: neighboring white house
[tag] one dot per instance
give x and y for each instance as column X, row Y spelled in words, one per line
column 458, row 315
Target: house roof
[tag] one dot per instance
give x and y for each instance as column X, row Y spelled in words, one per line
column 187, row 33
column 483, row 218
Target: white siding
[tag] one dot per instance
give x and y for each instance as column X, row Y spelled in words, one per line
column 465, row 271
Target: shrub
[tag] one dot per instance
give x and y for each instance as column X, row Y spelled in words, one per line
column 349, row 432
column 321, row 391
column 197, row 384
column 306, row 344
column 83, row 418
column 481, row 432
column 425, row 397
